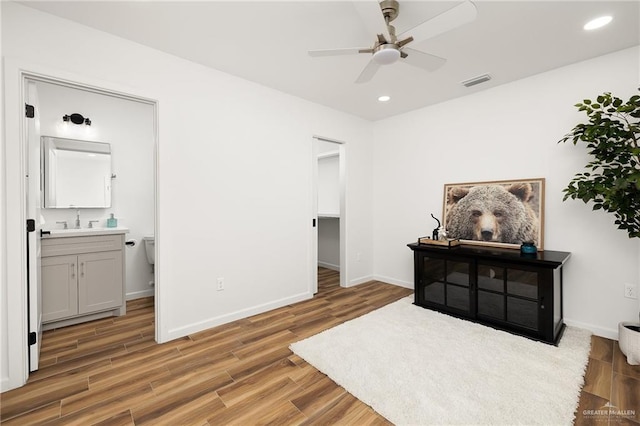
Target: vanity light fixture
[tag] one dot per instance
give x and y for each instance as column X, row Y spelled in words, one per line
column 597, row 23
column 384, row 98
column 76, row 118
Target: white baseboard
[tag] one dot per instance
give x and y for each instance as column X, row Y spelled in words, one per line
column 140, row 294
column 360, row 280
column 329, row 266
column 598, row 331
column 233, row 316
column 389, row 280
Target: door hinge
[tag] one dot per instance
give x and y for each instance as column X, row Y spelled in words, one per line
column 30, row 111
column 33, row 338
column 31, row 225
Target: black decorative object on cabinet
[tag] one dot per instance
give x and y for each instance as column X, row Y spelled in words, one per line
column 501, row 288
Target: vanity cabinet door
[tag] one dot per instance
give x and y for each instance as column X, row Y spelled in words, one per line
column 59, row 287
column 99, row 281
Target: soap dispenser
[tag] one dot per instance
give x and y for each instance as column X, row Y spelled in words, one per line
column 112, row 222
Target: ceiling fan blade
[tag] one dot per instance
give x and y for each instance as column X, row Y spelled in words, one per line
column 341, row 51
column 372, row 18
column 368, row 72
column 446, row 21
column 405, row 41
column 422, row 60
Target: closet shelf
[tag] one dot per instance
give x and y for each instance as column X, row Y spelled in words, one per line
column 328, row 215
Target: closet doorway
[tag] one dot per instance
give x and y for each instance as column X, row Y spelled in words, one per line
column 329, row 207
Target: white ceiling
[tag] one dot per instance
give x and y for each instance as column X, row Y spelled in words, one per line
column 267, row 42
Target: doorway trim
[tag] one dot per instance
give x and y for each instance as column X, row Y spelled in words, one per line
column 342, row 161
column 13, row 263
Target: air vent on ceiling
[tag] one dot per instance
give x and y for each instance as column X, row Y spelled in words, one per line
column 476, row 80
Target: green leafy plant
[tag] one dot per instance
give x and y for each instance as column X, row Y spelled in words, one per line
column 612, row 179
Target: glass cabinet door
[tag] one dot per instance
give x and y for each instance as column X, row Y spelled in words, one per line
column 457, row 285
column 508, row 295
column 433, row 273
column 491, row 292
column 522, row 298
column 446, row 283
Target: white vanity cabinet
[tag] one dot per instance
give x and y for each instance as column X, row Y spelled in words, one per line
column 59, row 287
column 82, row 278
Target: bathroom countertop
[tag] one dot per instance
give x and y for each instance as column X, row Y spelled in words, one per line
column 83, row 232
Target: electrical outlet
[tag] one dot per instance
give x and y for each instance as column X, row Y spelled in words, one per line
column 631, row 291
column 220, row 284
column 359, row 257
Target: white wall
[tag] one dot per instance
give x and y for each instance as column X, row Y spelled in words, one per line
column 128, row 126
column 329, row 185
column 508, row 132
column 329, row 243
column 223, row 209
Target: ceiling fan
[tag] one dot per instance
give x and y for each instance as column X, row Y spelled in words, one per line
column 389, row 47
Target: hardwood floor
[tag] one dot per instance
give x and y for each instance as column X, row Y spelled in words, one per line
column 609, row 381
column 111, row 372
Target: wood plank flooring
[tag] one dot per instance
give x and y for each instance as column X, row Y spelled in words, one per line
column 609, row 381
column 111, row 371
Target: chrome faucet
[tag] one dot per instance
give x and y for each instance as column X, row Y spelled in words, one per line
column 77, row 219
column 91, row 222
column 64, row 222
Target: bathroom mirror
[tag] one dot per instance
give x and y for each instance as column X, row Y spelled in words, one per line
column 75, row 173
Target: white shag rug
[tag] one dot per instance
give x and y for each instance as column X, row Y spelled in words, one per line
column 415, row 366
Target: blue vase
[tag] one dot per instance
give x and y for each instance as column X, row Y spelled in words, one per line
column 528, row 247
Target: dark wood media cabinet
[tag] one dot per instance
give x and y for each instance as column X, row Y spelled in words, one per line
column 498, row 287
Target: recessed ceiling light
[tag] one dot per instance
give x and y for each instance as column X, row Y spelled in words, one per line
column 597, row 23
column 384, row 98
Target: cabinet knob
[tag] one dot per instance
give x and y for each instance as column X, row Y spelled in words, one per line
column 73, row 270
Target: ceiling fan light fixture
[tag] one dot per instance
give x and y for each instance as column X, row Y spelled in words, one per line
column 386, row 54
column 597, row 23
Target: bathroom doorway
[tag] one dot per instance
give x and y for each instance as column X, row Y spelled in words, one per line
column 128, row 124
column 328, row 192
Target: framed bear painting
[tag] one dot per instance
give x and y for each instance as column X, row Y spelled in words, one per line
column 501, row 213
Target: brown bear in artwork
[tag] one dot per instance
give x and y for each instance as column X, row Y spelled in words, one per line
column 492, row 213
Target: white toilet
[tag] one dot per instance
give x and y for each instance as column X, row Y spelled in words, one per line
column 150, row 248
